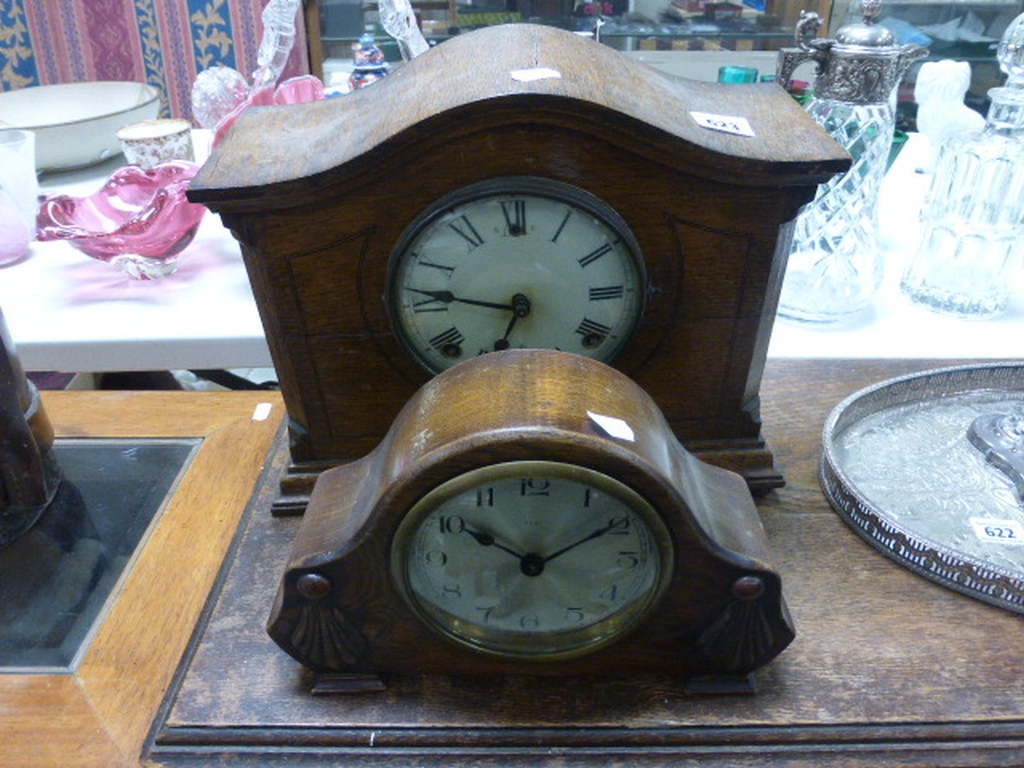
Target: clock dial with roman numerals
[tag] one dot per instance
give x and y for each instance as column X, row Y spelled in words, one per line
column 513, row 263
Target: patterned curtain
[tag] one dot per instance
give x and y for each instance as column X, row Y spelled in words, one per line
column 161, row 42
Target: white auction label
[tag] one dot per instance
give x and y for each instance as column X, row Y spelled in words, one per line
column 739, row 126
column 262, row 412
column 537, row 73
column 612, row 426
column 995, row 531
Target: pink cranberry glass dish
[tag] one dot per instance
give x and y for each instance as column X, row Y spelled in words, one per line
column 139, row 220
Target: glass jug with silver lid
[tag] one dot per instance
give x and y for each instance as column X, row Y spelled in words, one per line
column 834, row 263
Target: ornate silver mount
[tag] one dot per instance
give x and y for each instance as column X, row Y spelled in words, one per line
column 861, row 65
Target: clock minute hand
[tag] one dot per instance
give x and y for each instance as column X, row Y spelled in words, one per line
column 447, row 297
column 612, row 525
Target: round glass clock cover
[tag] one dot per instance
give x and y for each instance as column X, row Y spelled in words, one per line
column 536, row 560
column 511, row 263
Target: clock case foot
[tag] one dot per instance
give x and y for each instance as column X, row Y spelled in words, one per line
column 333, row 683
column 713, row 685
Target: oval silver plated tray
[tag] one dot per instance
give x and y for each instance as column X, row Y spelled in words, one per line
column 929, row 469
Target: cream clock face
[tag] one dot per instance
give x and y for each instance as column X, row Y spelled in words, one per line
column 513, row 263
column 536, row 560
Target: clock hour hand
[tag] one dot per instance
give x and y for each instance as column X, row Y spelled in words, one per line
column 447, row 297
column 520, row 308
column 530, row 564
column 615, row 522
column 487, row 540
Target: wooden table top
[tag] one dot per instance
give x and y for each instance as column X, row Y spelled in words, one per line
column 887, row 667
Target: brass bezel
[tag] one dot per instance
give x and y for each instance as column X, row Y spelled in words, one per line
column 542, row 646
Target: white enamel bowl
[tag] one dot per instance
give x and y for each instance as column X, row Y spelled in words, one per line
column 75, row 123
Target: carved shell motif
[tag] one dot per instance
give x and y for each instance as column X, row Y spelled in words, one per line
column 326, row 638
column 743, row 635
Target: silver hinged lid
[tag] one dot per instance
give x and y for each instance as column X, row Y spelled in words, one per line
column 860, row 65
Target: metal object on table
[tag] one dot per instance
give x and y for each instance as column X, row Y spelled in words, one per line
column 1001, row 438
column 928, row 469
column 860, row 65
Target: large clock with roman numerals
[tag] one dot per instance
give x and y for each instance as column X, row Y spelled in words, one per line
column 519, row 186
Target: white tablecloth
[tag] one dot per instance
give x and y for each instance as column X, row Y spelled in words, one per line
column 67, row 312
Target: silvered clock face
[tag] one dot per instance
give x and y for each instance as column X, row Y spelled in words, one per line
column 536, row 560
column 512, row 263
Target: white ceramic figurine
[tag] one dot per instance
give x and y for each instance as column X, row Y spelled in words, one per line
column 941, row 112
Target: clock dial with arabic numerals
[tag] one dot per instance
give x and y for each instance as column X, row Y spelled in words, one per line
column 513, row 263
column 532, row 559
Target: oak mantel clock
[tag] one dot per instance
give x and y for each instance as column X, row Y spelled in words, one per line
column 530, row 512
column 520, row 186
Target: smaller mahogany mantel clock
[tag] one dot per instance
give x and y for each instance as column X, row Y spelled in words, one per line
column 530, row 512
column 520, row 186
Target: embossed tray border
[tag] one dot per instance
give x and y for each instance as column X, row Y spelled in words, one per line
column 930, row 559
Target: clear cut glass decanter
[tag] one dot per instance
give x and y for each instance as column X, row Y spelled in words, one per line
column 834, row 265
column 973, row 214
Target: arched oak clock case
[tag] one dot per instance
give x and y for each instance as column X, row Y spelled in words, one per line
column 320, row 196
column 531, row 513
